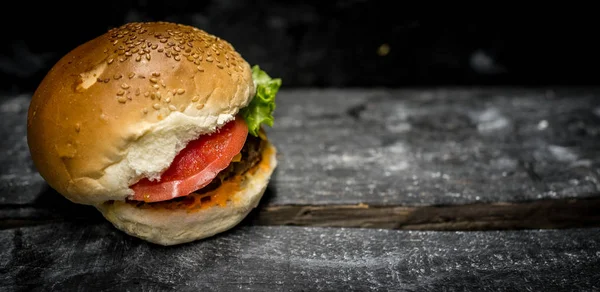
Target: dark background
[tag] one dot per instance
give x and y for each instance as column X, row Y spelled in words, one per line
column 328, row 43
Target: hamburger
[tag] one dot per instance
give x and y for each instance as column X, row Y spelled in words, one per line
column 160, row 127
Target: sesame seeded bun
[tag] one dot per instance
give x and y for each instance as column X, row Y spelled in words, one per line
column 179, row 222
column 121, row 106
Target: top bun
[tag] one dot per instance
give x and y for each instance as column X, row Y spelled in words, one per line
column 121, row 106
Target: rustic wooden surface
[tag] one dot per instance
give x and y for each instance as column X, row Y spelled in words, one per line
column 80, row 257
column 437, row 161
column 409, row 159
column 436, row 147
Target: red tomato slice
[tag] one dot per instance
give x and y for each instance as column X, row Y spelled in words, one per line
column 196, row 165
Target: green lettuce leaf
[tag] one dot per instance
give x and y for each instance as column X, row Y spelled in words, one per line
column 260, row 110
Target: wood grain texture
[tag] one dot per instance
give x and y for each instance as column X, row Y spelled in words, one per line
column 79, row 257
column 436, row 147
column 556, row 213
column 419, row 159
column 402, row 147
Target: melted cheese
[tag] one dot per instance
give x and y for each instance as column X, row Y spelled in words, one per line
column 237, row 157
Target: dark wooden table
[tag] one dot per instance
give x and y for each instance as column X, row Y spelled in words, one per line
column 417, row 190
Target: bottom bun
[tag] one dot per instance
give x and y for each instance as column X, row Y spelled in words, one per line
column 162, row 224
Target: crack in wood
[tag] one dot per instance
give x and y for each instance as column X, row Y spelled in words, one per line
column 558, row 213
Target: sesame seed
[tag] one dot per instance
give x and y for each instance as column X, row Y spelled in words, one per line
column 209, row 59
column 156, row 106
column 110, row 61
column 200, row 106
column 156, row 86
column 148, row 57
column 177, row 58
column 172, row 107
column 157, row 74
column 124, row 86
column 118, row 76
column 168, row 99
column 158, row 95
column 220, row 66
column 120, row 92
column 153, row 80
column 138, row 58
column 147, row 93
column 145, row 110
column 180, row 91
column 196, row 98
column 131, row 75
column 200, row 69
column 137, row 91
column 77, row 127
column 122, row 99
column 106, row 80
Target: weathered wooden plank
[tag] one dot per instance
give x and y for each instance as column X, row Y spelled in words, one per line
column 393, row 149
column 405, row 147
column 436, row 147
column 80, row 257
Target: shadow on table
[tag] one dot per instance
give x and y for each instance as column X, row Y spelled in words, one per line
column 50, row 205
